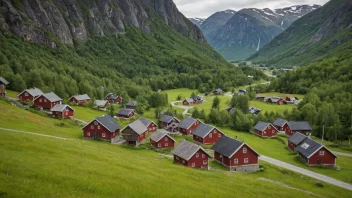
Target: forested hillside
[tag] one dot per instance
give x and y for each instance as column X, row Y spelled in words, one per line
column 323, row 33
column 159, row 50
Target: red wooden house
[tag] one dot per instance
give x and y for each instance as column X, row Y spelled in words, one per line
column 206, row 134
column 188, row 101
column 125, row 113
column 301, row 127
column 161, row 140
column 280, row 124
column 80, row 99
column 187, row 125
column 29, row 95
column 3, row 83
column 294, row 140
column 101, row 104
column 47, row 101
column 264, row 129
column 235, row 155
column 113, row 98
column 131, row 105
column 315, row 154
column 276, row 100
column 169, row 123
column 151, row 126
column 62, row 111
column 190, row 155
column 135, row 133
column 102, row 128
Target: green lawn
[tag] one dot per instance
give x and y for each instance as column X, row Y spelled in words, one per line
column 173, row 93
column 265, row 106
column 87, row 114
column 12, row 94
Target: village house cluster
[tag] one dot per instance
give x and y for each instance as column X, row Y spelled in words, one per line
column 278, row 100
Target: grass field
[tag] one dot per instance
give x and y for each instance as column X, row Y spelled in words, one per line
column 265, row 106
column 283, row 95
column 12, row 94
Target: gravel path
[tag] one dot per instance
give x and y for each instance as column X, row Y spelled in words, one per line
column 307, row 172
column 342, row 154
column 38, row 134
column 186, row 108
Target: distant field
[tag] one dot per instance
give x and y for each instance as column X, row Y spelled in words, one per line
column 173, row 93
column 87, row 114
column 264, row 106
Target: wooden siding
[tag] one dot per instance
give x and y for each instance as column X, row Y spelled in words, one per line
column 196, row 161
column 164, row 142
column 97, row 131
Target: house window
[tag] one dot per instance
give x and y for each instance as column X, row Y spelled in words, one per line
column 193, row 164
column 235, row 161
column 88, row 134
column 177, row 157
column 203, row 155
column 166, row 144
column 244, row 150
column 165, row 138
column 92, row 127
column 45, row 100
column 183, row 161
column 215, row 132
column 269, row 127
column 205, row 162
column 159, row 145
column 98, row 126
column 273, row 131
column 245, row 160
column 197, row 155
column 95, row 123
column 210, row 135
column 219, row 135
column 40, row 100
column 321, row 152
column 66, row 110
column 26, row 94
column 103, row 134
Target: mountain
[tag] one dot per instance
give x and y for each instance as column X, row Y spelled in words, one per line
column 250, row 29
column 95, row 47
column 197, row 21
column 324, row 33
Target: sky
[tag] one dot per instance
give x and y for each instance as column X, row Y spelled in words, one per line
column 205, row 8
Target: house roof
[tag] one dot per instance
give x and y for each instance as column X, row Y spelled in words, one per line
column 186, row 123
column 125, row 112
column 280, row 122
column 261, row 126
column 33, row 92
column 254, row 110
column 227, row 146
column 189, row 100
column 297, row 138
column 242, row 91
column 132, row 103
column 167, row 118
column 159, row 134
column 138, row 127
column 308, row 147
column 108, row 122
column 218, row 90
column 3, row 80
column 112, row 95
column 145, row 121
column 52, row 97
column 274, row 99
column 202, row 130
column 300, row 126
column 60, row 108
column 81, row 97
column 100, row 103
column 186, row 150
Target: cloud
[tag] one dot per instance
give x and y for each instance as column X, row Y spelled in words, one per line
column 205, row 8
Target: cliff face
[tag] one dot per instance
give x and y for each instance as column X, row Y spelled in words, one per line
column 66, row 21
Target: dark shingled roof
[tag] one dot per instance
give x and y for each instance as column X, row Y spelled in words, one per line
column 3, row 80
column 81, row 97
column 60, row 108
column 227, row 146
column 308, row 147
column 132, row 103
column 186, row 150
column 108, row 122
column 33, row 92
column 261, row 126
column 167, row 118
column 125, row 112
column 52, row 97
column 300, row 126
column 112, row 95
column 186, row 123
column 101, row 103
column 280, row 122
column 297, row 138
column 145, row 121
column 157, row 136
column 138, row 127
column 202, row 130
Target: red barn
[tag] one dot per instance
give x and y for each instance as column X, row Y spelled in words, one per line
column 235, row 155
column 276, row 100
column 188, row 101
column 131, row 105
column 187, row 125
column 161, row 140
column 47, row 101
column 3, row 84
column 80, row 99
column 101, row 104
column 102, row 128
column 113, row 98
column 280, row 124
column 151, row 126
column 62, row 111
column 264, row 129
column 206, row 134
column 301, row 127
column 29, row 95
column 125, row 113
column 294, row 140
column 315, row 154
column 135, row 133
column 190, row 155
column 169, row 123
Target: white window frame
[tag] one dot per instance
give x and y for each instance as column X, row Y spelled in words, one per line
column 269, row 127
column 45, row 100
column 245, row 160
column 40, row 100
column 166, row 144
column 193, row 164
column 203, row 156
column 177, row 158
column 98, row 126
column 92, row 126
column 273, row 131
column 95, row 122
column 197, row 155
column 183, row 161
column 244, row 150
column 210, row 135
column 159, row 145
column 165, row 139
column 88, row 133
column 321, row 153
column 26, row 94
column 205, row 162
column 235, row 161
column 103, row 135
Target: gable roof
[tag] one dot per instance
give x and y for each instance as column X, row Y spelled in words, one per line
column 52, row 97
column 186, row 150
column 138, row 127
column 159, row 134
column 297, row 126
column 60, row 108
column 81, row 97
column 241, row 91
column 308, row 147
column 186, row 123
column 125, row 112
column 33, row 92
column 275, row 99
column 297, row 138
column 227, row 146
column 112, row 95
column 108, row 122
column 3, row 80
column 203, row 130
column 145, row 121
column 261, row 126
column 280, row 122
column 218, row 90
column 189, row 100
column 167, row 118
column 132, row 103
column 100, row 103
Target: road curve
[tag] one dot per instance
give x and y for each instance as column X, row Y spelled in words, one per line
column 307, row 172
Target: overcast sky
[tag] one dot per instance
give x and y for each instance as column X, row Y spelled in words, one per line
column 205, row 8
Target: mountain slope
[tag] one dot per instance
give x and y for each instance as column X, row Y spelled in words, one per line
column 323, row 33
column 250, row 29
column 97, row 47
column 197, row 21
